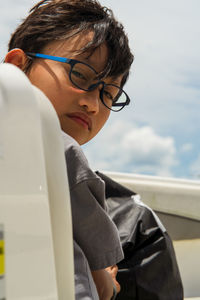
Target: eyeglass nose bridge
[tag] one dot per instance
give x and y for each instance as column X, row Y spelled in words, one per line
column 93, row 86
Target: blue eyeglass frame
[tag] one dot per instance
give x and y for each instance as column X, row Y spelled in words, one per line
column 72, row 62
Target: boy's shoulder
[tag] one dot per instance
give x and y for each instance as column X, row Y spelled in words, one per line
column 77, row 164
column 73, row 150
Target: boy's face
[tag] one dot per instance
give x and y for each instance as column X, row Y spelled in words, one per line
column 81, row 113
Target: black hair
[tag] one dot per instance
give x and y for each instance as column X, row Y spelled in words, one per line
column 52, row 20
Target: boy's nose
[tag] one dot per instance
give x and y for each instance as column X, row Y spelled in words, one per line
column 90, row 100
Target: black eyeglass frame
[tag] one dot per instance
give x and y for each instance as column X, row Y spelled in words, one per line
column 73, row 62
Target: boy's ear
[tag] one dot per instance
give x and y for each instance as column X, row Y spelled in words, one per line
column 16, row 57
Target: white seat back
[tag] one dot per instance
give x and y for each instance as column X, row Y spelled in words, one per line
column 35, row 215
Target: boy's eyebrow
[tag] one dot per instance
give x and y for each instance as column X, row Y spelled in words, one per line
column 116, row 83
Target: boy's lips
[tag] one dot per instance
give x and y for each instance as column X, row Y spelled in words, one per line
column 82, row 119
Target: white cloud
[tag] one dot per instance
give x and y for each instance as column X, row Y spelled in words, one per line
column 124, row 147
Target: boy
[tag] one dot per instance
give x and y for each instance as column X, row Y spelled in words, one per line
column 78, row 55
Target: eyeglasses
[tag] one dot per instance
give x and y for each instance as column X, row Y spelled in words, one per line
column 85, row 77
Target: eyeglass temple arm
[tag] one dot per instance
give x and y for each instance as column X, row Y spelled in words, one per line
column 55, row 58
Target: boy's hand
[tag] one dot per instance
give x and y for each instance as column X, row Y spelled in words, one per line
column 105, row 279
column 113, row 272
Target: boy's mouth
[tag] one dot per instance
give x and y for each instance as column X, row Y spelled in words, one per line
column 81, row 119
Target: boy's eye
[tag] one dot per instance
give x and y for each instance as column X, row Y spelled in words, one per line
column 78, row 74
column 108, row 95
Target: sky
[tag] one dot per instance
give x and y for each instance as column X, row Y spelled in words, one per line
column 159, row 132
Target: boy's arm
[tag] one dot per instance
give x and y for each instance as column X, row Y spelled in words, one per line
column 105, row 281
column 93, row 229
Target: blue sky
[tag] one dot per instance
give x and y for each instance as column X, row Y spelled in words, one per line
column 159, row 133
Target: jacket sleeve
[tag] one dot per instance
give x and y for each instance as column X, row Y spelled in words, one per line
column 93, row 229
